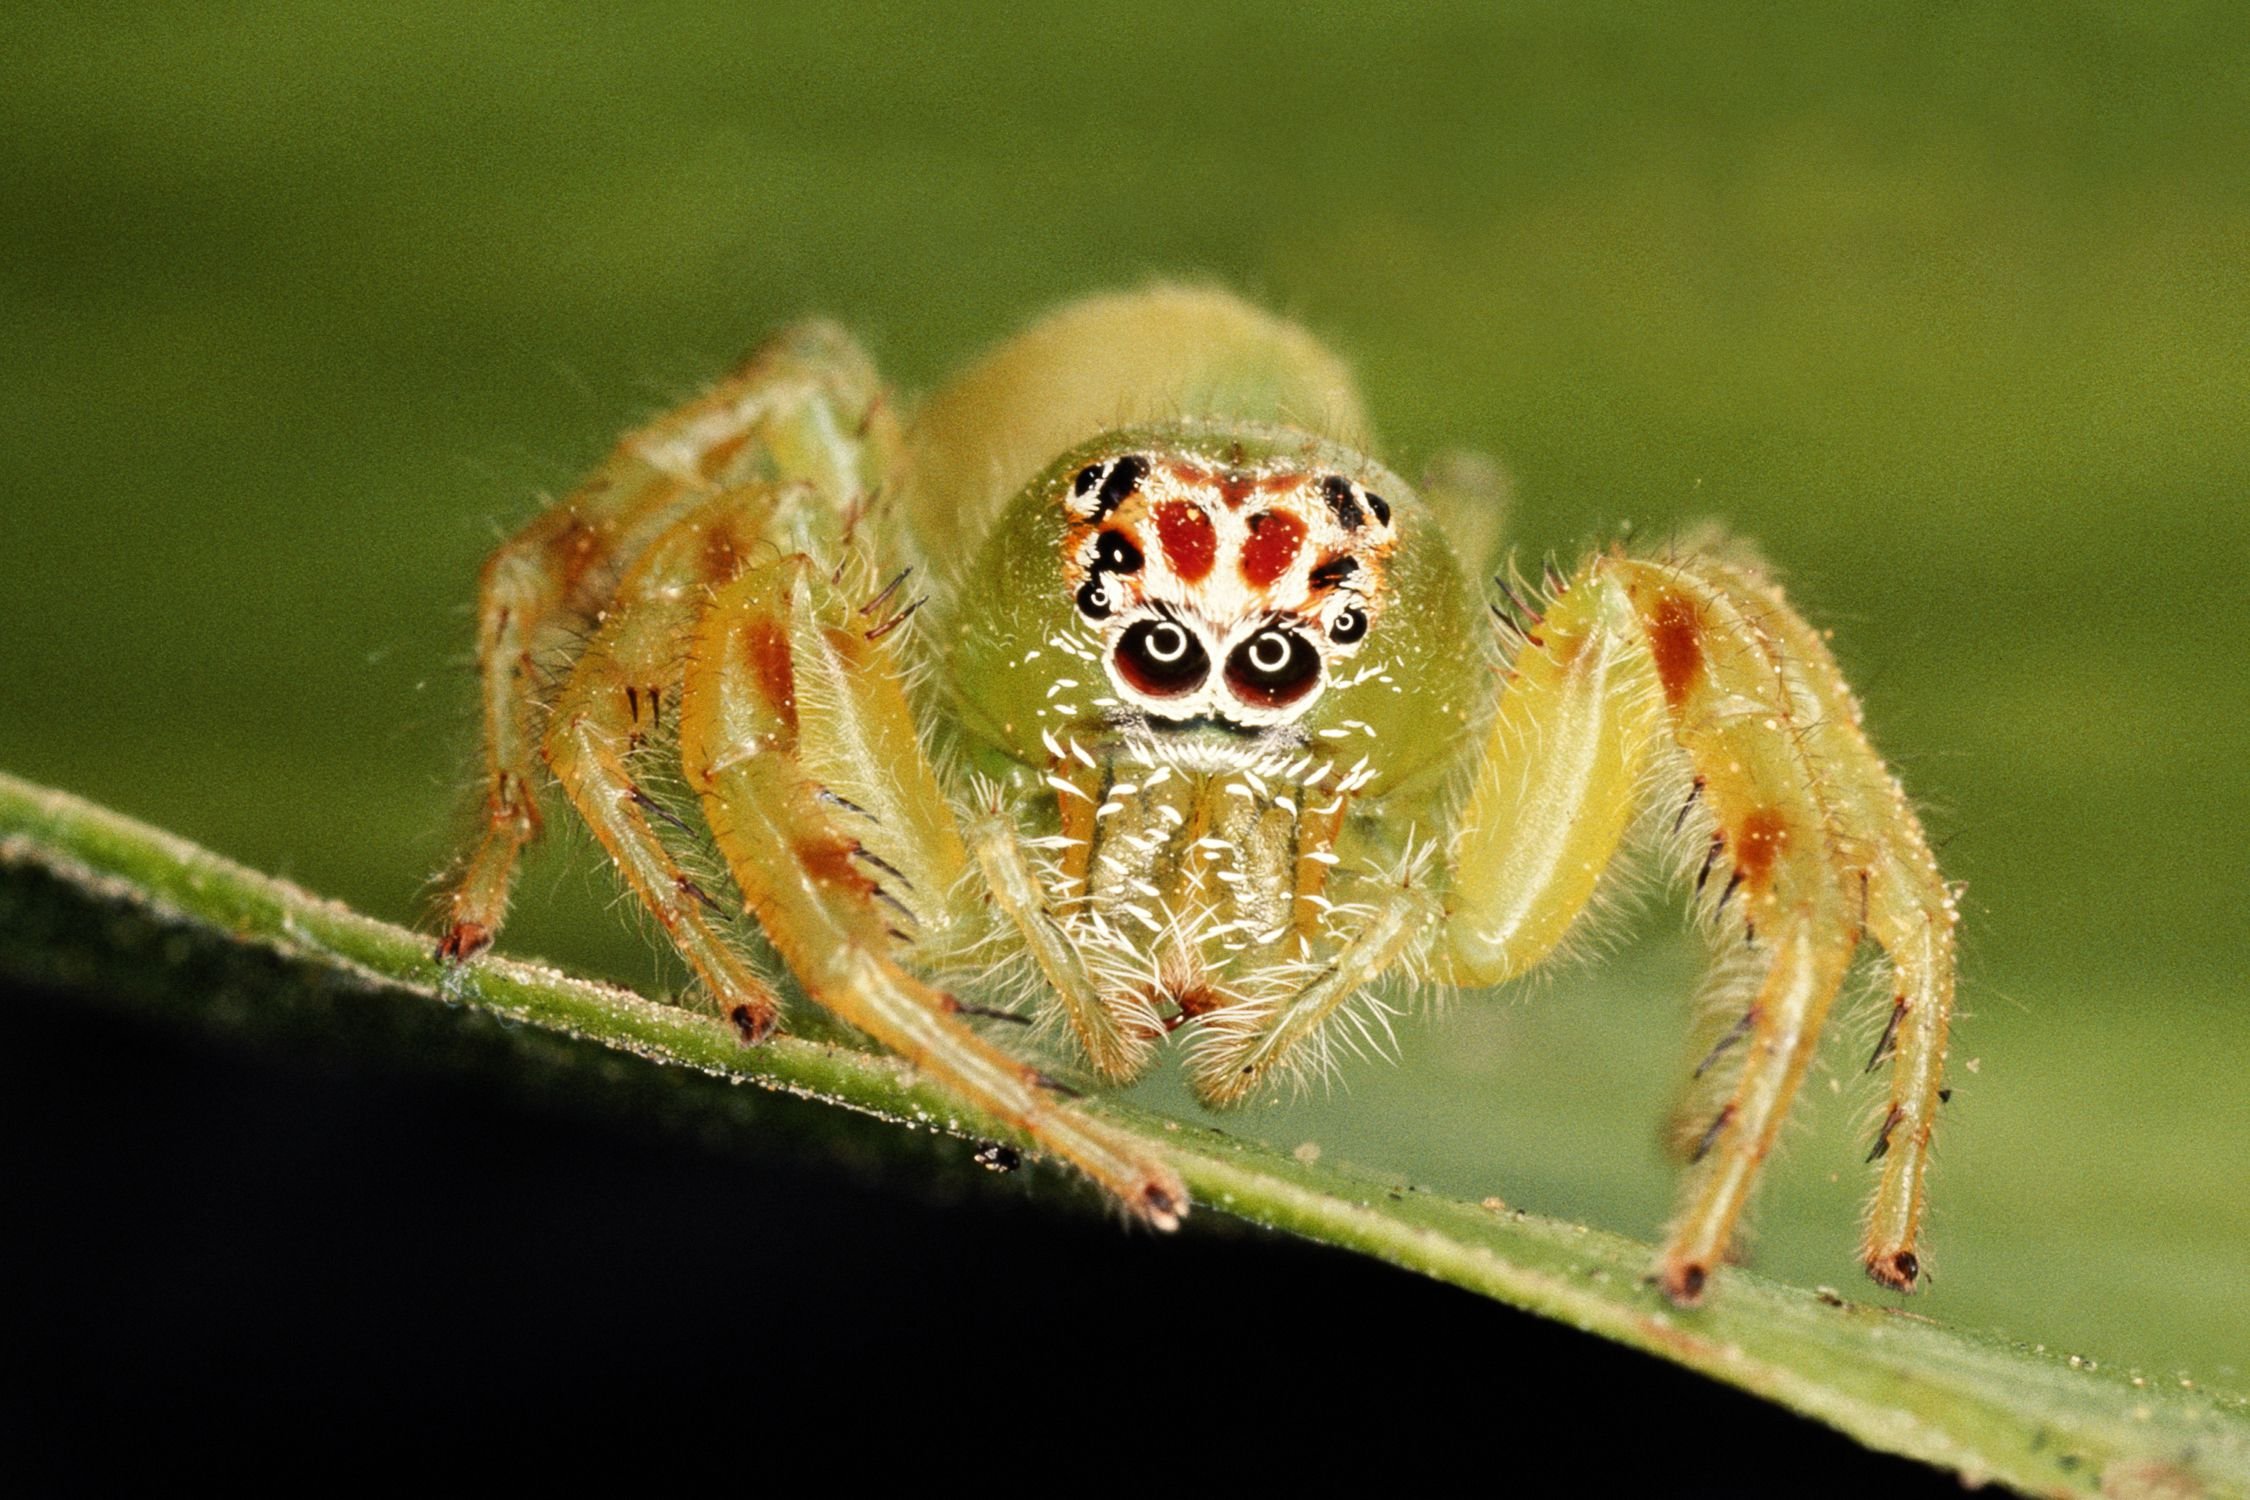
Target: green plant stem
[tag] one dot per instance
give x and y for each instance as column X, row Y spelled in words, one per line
column 77, row 880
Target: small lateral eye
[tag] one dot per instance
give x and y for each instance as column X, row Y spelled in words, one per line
column 1273, row 668
column 1098, row 489
column 1114, row 551
column 1162, row 658
column 1337, row 491
column 1349, row 626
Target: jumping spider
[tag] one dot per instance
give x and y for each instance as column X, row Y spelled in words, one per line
column 1204, row 728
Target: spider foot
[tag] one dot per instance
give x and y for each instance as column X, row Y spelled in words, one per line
column 462, row 942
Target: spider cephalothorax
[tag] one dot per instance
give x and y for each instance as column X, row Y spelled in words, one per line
column 1206, row 731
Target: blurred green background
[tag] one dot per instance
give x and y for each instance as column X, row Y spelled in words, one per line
column 303, row 306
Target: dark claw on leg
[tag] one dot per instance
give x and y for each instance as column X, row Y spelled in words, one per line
column 752, row 1025
column 462, row 942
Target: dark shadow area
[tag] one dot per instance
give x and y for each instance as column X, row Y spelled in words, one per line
column 293, row 1260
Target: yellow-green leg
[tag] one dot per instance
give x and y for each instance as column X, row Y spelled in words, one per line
column 806, row 409
column 1907, row 909
column 784, row 684
column 625, row 683
column 1632, row 655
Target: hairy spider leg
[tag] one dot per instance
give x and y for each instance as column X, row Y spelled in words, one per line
column 1631, row 655
column 617, row 697
column 807, row 406
column 1908, row 910
column 1118, row 1051
column 1231, row 1061
column 797, row 734
column 1238, row 1037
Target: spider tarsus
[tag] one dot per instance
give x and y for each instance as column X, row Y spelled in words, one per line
column 1898, row 1270
column 866, row 422
column 462, row 942
column 752, row 1024
column 1162, row 1206
column 1683, row 1285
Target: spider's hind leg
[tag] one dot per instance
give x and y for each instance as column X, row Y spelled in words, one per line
column 618, row 697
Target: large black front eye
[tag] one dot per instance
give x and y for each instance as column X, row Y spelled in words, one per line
column 1273, row 668
column 1162, row 658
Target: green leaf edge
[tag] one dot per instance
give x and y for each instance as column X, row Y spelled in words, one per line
column 1990, row 1409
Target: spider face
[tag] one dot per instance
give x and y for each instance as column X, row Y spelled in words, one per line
column 1216, row 597
column 1226, row 595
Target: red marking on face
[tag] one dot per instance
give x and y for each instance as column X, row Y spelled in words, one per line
column 1275, row 537
column 1234, row 489
column 1758, row 844
column 766, row 644
column 1189, row 542
column 1676, row 641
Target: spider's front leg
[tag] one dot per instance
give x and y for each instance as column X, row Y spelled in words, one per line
column 796, row 733
column 1808, row 846
column 1239, row 1048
